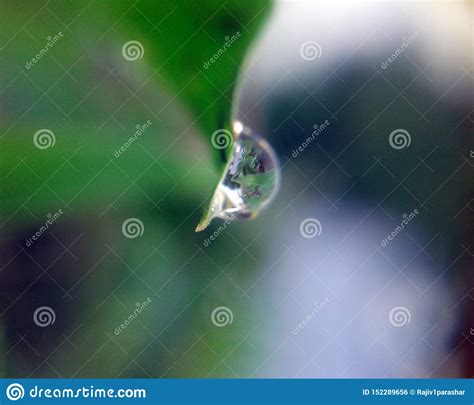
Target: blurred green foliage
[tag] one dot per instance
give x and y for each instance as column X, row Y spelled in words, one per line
column 69, row 87
column 92, row 99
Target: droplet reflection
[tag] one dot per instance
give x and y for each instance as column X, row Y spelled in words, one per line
column 250, row 180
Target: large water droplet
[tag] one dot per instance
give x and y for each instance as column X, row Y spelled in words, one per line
column 250, row 180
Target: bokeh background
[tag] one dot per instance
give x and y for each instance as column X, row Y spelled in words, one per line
column 269, row 297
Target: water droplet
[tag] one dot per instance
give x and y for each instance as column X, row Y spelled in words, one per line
column 249, row 182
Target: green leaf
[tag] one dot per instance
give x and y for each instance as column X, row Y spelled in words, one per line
column 198, row 48
column 92, row 98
